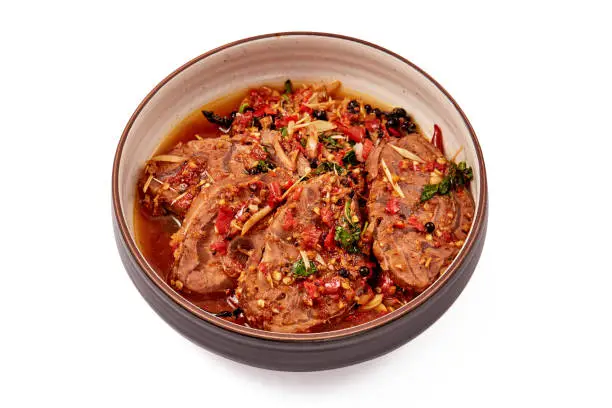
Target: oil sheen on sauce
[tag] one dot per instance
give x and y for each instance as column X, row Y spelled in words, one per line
column 153, row 233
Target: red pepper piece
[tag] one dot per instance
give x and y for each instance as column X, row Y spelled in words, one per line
column 306, row 109
column 224, row 218
column 289, row 222
column 412, row 220
column 332, row 286
column 436, row 140
column 310, row 236
column 372, row 125
column 354, row 133
column 297, row 192
column 274, row 197
column 311, row 290
column 220, row 247
column 393, row 206
column 329, row 242
column 327, row 216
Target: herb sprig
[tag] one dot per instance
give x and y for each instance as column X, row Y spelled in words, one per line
column 458, row 175
column 327, row 166
column 348, row 234
column 262, row 166
column 299, row 268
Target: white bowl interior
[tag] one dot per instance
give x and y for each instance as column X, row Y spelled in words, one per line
column 271, row 60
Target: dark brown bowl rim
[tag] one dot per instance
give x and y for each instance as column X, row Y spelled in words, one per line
column 248, row 331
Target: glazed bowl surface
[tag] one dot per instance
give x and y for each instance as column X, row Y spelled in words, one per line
column 269, row 60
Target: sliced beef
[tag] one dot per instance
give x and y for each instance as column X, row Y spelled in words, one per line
column 210, row 249
column 172, row 185
column 273, row 290
column 172, row 180
column 413, row 257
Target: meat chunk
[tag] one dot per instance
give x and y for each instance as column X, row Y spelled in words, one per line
column 210, row 247
column 295, row 285
column 171, row 181
column 413, row 256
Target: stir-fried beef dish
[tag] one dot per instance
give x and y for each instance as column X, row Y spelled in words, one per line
column 302, row 209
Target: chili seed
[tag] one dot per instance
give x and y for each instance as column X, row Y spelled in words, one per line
column 364, row 271
column 430, row 227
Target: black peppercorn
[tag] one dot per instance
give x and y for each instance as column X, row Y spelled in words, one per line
column 237, row 312
column 377, row 112
column 343, row 272
column 364, row 271
column 399, row 112
column 392, row 122
column 408, row 126
column 257, row 123
column 368, row 108
column 319, row 114
column 430, row 227
column 353, row 106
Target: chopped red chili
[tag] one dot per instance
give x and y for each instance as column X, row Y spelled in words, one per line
column 224, row 218
column 414, row 222
column 393, row 206
column 220, row 247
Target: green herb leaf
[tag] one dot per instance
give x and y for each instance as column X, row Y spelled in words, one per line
column 284, row 132
column 299, row 268
column 429, row 191
column 328, row 166
column 288, row 87
column 350, row 158
column 347, row 212
column 348, row 238
column 457, row 175
column 243, row 107
column 329, row 142
column 261, row 167
column 444, row 186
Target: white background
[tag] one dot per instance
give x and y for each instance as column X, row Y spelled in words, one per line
column 532, row 327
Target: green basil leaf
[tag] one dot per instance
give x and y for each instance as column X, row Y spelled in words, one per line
column 288, row 87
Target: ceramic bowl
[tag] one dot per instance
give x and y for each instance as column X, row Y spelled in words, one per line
column 266, row 59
